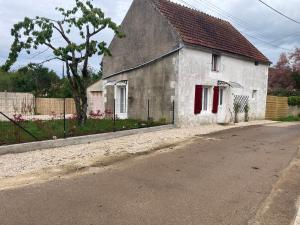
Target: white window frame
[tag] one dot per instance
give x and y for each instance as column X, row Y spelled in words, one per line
column 221, row 96
column 208, row 103
column 122, row 114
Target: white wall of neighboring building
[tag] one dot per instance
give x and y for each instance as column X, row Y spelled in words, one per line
column 195, row 69
column 95, row 94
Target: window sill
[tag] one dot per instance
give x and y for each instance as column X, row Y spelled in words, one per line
column 206, row 113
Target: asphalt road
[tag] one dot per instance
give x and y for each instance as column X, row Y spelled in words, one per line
column 218, row 179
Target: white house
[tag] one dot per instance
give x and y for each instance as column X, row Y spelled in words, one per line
column 176, row 55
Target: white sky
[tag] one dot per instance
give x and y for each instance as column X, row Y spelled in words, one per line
column 249, row 16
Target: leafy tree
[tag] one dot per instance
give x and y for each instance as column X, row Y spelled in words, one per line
column 5, row 81
column 295, row 60
column 283, row 62
column 284, row 77
column 296, row 77
column 37, row 79
column 65, row 90
column 83, row 18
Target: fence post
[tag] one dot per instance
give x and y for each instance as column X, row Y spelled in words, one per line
column 173, row 111
column 114, row 128
column 65, row 134
column 148, row 112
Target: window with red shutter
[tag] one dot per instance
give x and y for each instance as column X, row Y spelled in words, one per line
column 215, row 100
column 198, row 99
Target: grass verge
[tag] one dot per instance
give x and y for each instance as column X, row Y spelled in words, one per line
column 52, row 129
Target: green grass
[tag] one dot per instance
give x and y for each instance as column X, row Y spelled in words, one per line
column 290, row 119
column 47, row 130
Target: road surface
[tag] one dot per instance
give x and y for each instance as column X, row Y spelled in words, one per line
column 218, row 179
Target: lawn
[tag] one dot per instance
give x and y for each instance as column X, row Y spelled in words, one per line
column 52, row 129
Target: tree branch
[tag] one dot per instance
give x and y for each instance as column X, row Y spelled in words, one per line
column 97, row 31
column 62, row 32
column 86, row 57
column 48, row 60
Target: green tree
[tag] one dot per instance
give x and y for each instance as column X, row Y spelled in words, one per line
column 33, row 78
column 296, row 77
column 37, row 79
column 85, row 20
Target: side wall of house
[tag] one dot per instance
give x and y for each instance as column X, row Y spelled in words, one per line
column 195, row 69
column 148, row 36
column 154, row 82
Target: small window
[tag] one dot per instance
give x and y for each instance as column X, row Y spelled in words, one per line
column 254, row 94
column 205, row 99
column 221, row 96
column 215, row 63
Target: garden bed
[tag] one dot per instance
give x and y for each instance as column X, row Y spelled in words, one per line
column 54, row 129
column 290, row 118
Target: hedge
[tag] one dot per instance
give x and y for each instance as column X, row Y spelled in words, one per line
column 294, row 101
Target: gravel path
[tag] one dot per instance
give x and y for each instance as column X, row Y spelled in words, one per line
column 84, row 155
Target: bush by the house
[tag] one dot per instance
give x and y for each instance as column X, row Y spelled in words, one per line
column 290, row 118
column 294, row 101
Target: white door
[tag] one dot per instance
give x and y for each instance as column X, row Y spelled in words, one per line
column 121, row 101
column 222, row 108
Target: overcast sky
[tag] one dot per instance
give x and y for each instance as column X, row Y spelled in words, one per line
column 254, row 20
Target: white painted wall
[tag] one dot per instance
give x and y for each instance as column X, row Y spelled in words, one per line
column 95, row 95
column 195, row 69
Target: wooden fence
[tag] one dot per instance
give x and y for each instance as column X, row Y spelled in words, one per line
column 277, row 107
column 49, row 106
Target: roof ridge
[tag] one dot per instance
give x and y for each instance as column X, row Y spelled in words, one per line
column 194, row 10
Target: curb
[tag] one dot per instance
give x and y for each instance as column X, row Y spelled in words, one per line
column 33, row 146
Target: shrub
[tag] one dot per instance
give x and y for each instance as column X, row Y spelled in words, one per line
column 236, row 109
column 294, row 101
column 290, row 119
column 247, row 108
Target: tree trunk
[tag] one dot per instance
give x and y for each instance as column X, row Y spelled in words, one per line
column 79, row 94
column 81, row 108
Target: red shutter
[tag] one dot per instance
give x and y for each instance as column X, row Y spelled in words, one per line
column 215, row 100
column 198, row 99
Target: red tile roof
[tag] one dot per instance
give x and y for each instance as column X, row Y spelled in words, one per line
column 198, row 28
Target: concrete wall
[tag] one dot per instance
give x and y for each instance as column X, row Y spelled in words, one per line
column 17, row 103
column 148, row 36
column 294, row 110
column 195, row 69
column 95, row 97
column 155, row 82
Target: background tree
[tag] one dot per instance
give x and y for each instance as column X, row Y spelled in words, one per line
column 87, row 21
column 295, row 59
column 284, row 77
column 38, row 80
column 32, row 78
